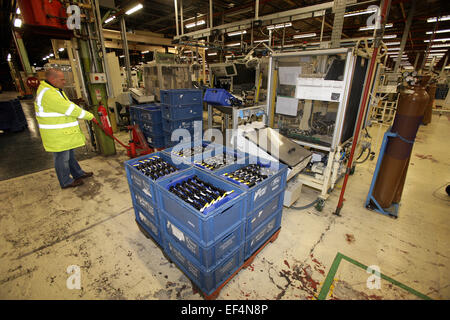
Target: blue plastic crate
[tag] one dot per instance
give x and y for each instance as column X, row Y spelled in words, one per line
column 144, row 202
column 189, row 111
column 188, row 124
column 143, row 183
column 262, row 234
column 149, row 225
column 261, row 214
column 149, row 128
column 259, row 193
column 155, row 141
column 214, row 222
column 209, row 256
column 179, row 97
column 151, row 114
column 219, row 97
column 207, row 280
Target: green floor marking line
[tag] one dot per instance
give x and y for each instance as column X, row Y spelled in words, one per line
column 330, row 277
column 334, row 267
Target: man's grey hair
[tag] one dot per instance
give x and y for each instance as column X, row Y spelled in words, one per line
column 52, row 72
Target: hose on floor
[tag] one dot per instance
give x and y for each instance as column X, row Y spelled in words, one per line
column 306, row 206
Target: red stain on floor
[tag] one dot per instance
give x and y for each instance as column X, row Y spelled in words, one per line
column 350, row 238
column 426, row 157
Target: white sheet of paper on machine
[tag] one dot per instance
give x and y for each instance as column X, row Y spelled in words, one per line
column 289, row 75
column 287, row 106
column 319, row 89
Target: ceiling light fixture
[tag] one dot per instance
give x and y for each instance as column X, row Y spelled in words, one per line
column 438, row 31
column 212, row 54
column 440, row 45
column 392, row 43
column 236, row 33
column 278, row 26
column 361, row 12
column 234, row 44
column 109, row 19
column 388, row 25
column 306, row 35
column 134, row 9
column 390, row 36
column 437, row 40
column 17, row 23
column 434, row 19
column 195, row 24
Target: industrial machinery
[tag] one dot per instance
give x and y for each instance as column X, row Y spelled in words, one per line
column 314, row 99
column 164, row 74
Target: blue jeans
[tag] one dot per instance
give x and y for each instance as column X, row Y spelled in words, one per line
column 66, row 165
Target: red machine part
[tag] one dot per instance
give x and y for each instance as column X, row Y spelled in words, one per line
column 46, row 13
column 33, row 82
column 104, row 120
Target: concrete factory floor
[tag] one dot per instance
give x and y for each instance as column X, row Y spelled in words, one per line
column 44, row 230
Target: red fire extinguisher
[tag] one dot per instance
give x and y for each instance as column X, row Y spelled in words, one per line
column 104, row 119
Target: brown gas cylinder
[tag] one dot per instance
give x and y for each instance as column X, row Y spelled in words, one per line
column 392, row 173
column 431, row 90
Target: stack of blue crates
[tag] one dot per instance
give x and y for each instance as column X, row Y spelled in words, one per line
column 181, row 109
column 149, row 119
column 208, row 246
column 11, row 116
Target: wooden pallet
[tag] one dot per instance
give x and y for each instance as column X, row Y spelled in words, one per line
column 246, row 263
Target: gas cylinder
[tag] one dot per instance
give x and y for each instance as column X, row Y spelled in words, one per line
column 392, row 173
column 431, row 90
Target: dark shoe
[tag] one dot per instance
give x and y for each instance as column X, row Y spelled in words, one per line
column 76, row 182
column 86, row 175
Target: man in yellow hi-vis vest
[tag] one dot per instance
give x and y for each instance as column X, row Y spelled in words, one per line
column 58, row 118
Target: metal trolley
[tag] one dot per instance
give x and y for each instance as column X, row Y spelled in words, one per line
column 314, row 98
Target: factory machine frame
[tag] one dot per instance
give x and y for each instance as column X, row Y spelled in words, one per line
column 312, row 86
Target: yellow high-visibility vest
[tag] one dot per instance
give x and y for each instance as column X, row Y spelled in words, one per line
column 57, row 117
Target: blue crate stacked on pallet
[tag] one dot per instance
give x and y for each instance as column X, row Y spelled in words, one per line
column 144, row 193
column 206, row 243
column 264, row 199
column 181, row 109
column 149, row 119
column 11, row 116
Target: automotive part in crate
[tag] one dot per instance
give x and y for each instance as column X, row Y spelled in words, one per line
column 154, row 167
column 250, row 175
column 200, row 194
column 216, row 162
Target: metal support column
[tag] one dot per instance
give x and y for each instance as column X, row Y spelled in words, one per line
column 123, row 33
column 338, row 23
column 405, row 35
column 176, row 16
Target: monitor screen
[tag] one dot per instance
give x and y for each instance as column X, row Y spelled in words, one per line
column 230, row 70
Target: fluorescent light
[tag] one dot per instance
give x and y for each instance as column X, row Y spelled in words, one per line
column 388, row 25
column 146, row 51
column 278, row 26
column 434, row 19
column 357, row 13
column 212, row 54
column 234, row 44
column 51, row 55
column 437, row 40
column 236, row 33
column 306, row 35
column 439, row 31
column 393, row 49
column 392, row 43
column 136, row 8
column 122, row 56
column 447, row 67
column 440, row 45
column 110, row 19
column 438, row 50
column 18, row 11
column 17, row 23
column 258, row 41
column 61, row 49
column 9, row 57
column 195, row 24
column 390, row 36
